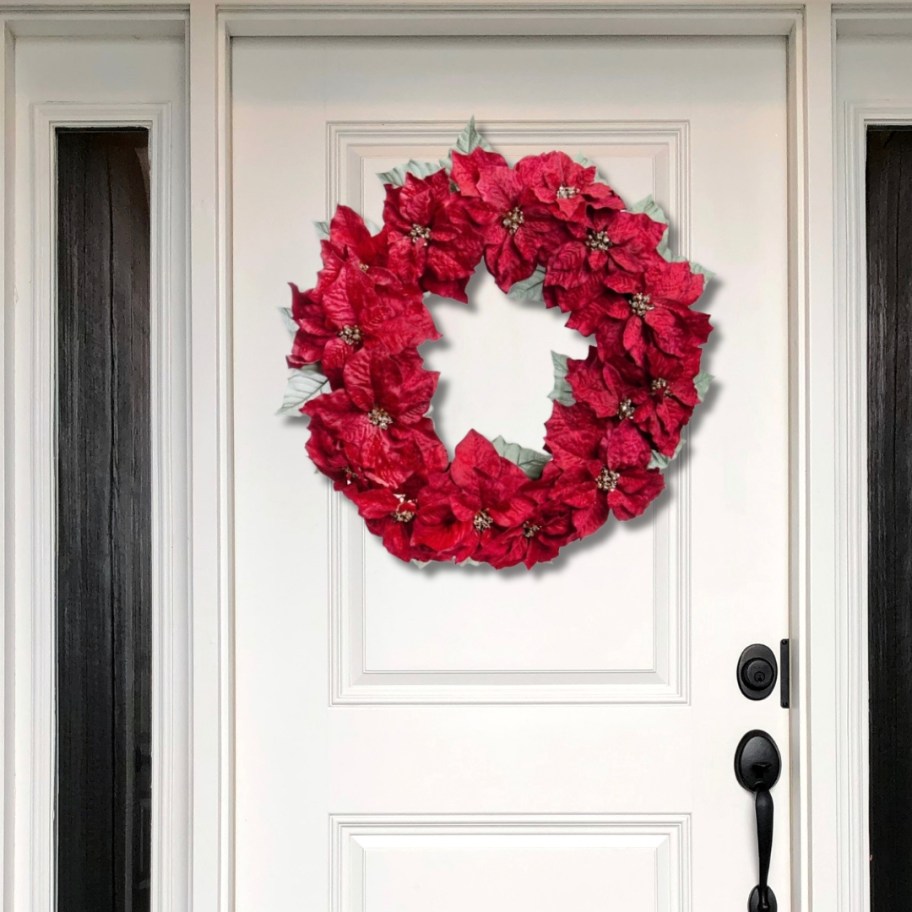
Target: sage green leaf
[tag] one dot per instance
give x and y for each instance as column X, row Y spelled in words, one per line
column 470, row 139
column 303, row 384
column 530, row 461
column 707, row 274
column 396, row 177
column 562, row 392
column 529, row 289
column 288, row 321
column 661, row 461
column 587, row 162
column 701, row 382
column 322, row 230
column 648, row 206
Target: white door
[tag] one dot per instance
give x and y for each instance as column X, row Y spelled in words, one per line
column 454, row 738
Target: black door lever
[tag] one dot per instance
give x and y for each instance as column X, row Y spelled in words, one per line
column 757, row 768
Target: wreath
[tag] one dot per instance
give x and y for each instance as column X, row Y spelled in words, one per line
column 548, row 230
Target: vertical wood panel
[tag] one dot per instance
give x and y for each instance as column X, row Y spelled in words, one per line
column 104, row 522
column 889, row 232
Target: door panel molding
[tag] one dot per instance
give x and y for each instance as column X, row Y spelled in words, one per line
column 665, row 839
column 664, row 676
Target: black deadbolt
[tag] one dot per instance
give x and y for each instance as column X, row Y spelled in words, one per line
column 757, row 672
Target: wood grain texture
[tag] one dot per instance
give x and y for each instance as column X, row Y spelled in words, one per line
column 889, row 233
column 104, row 522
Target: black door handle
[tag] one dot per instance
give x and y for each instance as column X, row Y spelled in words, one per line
column 757, row 768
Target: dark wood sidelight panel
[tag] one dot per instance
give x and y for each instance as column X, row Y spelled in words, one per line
column 104, row 569
column 889, row 233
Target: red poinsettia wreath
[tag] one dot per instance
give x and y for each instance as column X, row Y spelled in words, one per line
column 548, row 230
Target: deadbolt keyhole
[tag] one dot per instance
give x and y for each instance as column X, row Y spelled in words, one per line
column 757, row 671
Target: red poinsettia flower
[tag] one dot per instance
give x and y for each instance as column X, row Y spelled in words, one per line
column 611, row 388
column 462, row 511
column 610, row 248
column 545, row 528
column 352, row 249
column 467, row 168
column 390, row 513
column 605, row 467
column 327, row 451
column 658, row 398
column 519, row 232
column 658, row 313
column 430, row 235
column 564, row 186
column 672, row 398
column 350, row 315
column 379, row 415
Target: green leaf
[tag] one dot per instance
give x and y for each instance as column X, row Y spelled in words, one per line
column 661, row 461
column 587, row 162
column 530, row 461
column 303, row 384
column 562, row 392
column 470, row 139
column 708, row 274
column 648, row 206
column 322, row 230
column 396, row 177
column 701, row 382
column 288, row 321
column 529, row 289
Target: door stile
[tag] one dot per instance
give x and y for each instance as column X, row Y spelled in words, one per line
column 212, row 877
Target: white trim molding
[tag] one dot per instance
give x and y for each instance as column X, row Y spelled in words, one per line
column 667, row 837
column 852, row 521
column 35, row 397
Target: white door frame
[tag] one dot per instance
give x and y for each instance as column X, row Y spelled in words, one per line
column 827, row 718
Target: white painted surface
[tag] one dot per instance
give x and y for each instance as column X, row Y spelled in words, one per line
column 643, row 625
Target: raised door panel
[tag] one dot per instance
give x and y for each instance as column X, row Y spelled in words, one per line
column 504, row 637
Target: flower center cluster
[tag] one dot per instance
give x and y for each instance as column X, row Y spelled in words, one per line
column 350, row 335
column 607, row 480
column 513, row 219
column 598, row 240
column 482, row 521
column 402, row 513
column 380, row 417
column 659, row 386
column 565, row 193
column 420, row 233
column 640, row 304
column 531, row 529
column 626, row 408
